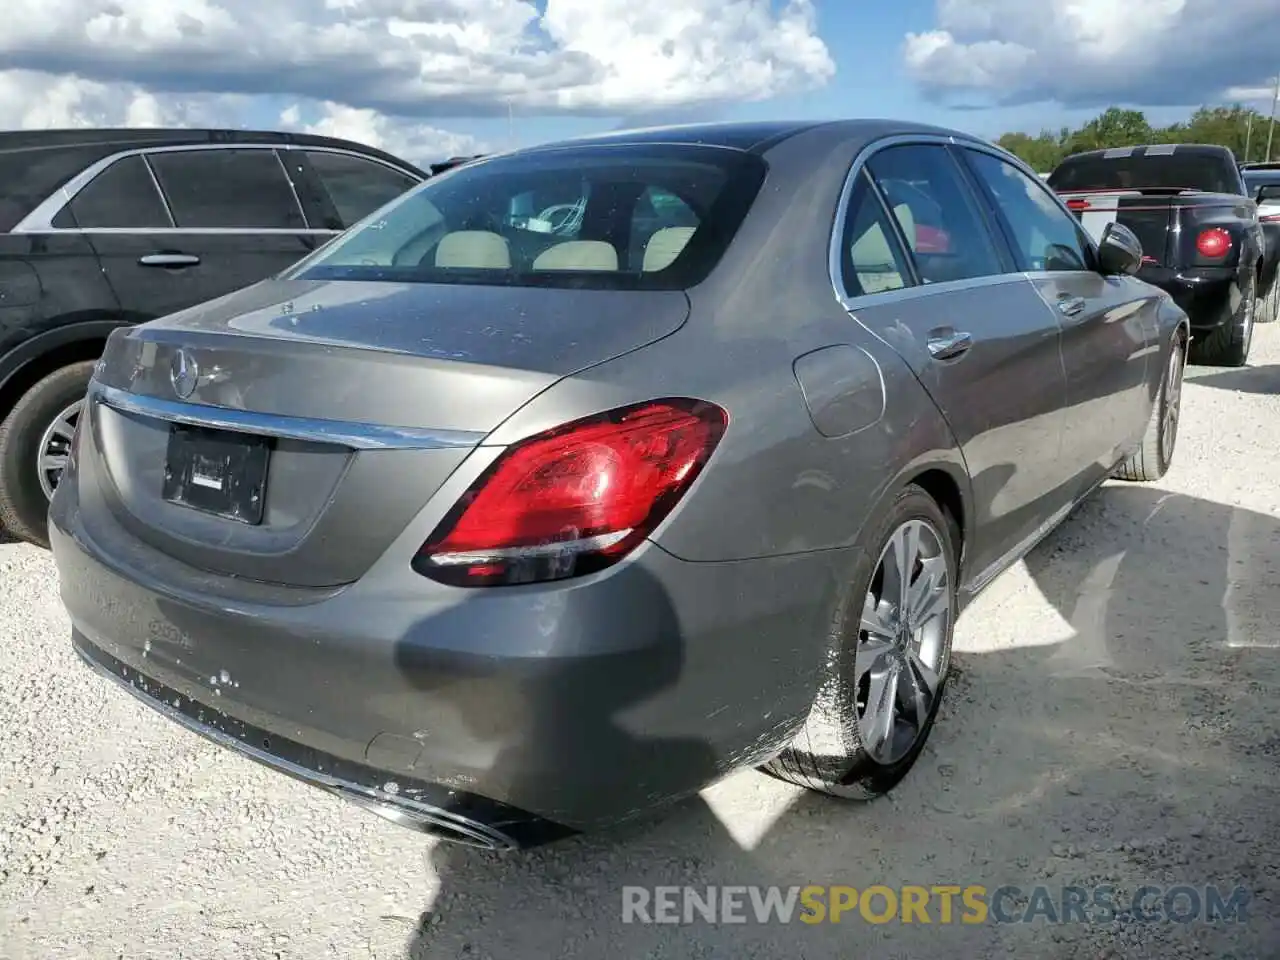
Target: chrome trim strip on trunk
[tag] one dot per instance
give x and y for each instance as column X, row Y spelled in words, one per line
column 358, row 436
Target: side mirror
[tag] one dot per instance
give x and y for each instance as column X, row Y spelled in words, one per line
column 1119, row 251
column 1270, row 191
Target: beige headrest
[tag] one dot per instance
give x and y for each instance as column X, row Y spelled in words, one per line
column 872, row 249
column 664, row 246
column 474, row 250
column 578, row 255
column 908, row 221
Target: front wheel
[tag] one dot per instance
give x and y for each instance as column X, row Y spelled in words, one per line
column 888, row 666
column 35, row 440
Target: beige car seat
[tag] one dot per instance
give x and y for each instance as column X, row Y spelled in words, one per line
column 473, row 250
column 578, row 255
column 664, row 246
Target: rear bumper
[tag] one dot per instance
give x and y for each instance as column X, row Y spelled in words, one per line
column 512, row 717
column 1204, row 292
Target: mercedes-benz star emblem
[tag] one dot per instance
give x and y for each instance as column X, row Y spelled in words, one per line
column 184, row 373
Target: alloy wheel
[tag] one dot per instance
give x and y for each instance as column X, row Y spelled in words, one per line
column 1172, row 402
column 1246, row 325
column 902, row 651
column 55, row 447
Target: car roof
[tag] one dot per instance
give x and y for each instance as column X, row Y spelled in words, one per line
column 104, row 141
column 751, row 136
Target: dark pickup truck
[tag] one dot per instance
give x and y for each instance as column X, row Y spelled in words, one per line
column 1202, row 238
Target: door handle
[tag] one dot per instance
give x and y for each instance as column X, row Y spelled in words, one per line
column 169, row 260
column 1070, row 305
column 944, row 346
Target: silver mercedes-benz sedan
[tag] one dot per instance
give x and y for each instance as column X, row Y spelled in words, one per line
column 578, row 477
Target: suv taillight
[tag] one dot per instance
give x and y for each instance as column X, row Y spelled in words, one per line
column 574, row 499
column 1213, row 243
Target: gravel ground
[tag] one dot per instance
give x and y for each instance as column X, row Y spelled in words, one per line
column 1111, row 722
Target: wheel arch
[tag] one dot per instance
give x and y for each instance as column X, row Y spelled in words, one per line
column 946, row 481
column 37, row 357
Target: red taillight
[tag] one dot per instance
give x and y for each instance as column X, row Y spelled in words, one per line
column 575, row 499
column 1214, row 243
column 1077, row 204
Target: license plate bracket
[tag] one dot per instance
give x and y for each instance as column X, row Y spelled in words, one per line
column 218, row 472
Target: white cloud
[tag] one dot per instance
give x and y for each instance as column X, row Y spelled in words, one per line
column 1096, row 52
column 34, row 100
column 394, row 72
column 416, row 142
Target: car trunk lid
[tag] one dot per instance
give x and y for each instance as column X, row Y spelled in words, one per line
column 339, row 409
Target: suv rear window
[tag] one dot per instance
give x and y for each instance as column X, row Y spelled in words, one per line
column 632, row 216
column 1189, row 171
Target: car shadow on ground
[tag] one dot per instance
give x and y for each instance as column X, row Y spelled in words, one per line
column 1121, row 733
column 1245, row 379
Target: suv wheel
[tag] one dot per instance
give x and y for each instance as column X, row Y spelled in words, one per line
column 35, row 439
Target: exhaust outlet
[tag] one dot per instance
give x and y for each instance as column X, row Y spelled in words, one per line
column 432, row 822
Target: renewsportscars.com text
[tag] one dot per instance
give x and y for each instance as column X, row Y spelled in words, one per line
column 938, row 904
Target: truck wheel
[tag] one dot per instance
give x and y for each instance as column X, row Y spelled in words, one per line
column 1151, row 460
column 34, row 441
column 1228, row 344
column 1269, row 309
column 891, row 649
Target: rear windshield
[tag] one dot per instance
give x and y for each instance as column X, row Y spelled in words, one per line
column 1189, row 171
column 653, row 216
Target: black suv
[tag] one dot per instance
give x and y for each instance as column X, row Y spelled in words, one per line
column 105, row 228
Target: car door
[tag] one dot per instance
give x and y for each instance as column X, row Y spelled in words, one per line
column 1109, row 324
column 925, row 271
column 176, row 227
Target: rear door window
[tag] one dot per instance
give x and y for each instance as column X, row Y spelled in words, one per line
column 355, row 186
column 934, row 207
column 122, row 196
column 654, row 216
column 228, row 188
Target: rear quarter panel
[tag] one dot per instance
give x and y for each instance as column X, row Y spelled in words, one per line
column 1237, row 215
column 49, row 284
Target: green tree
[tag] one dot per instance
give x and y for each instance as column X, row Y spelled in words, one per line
column 1227, row 126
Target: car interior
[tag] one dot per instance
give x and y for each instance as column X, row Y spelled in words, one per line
column 628, row 224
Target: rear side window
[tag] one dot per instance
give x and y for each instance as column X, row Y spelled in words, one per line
column 228, row 188
column 873, row 261
column 122, row 196
column 653, row 216
column 355, row 186
column 934, row 208
column 28, row 177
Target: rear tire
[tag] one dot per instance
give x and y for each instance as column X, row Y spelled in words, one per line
column 1228, row 344
column 847, row 748
column 1152, row 460
column 24, row 506
column 1269, row 311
